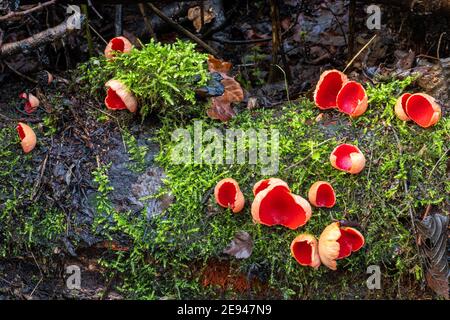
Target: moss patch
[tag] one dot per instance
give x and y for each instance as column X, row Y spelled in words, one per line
column 405, row 172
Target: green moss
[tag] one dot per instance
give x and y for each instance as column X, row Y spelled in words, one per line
column 404, row 172
column 162, row 76
column 24, row 224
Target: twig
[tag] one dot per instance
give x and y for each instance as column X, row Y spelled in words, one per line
column 359, row 52
column 25, row 12
column 182, row 30
column 147, row 21
column 97, row 33
column 87, row 31
column 40, row 38
column 276, row 37
column 351, row 27
column 95, row 10
column 118, row 20
column 20, row 74
column 439, row 45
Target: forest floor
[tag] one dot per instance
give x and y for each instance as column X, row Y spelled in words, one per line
column 54, row 214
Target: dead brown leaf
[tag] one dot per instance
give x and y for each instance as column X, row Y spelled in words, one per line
column 241, row 246
column 195, row 15
column 217, row 65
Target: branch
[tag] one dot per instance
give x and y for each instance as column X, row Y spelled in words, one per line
column 182, row 30
column 15, row 14
column 40, row 38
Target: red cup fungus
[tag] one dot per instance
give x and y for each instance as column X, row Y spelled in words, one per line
column 321, row 194
column 327, row 89
column 400, row 107
column 117, row 44
column 119, row 97
column 337, row 242
column 348, row 158
column 229, row 195
column 304, row 249
column 27, row 137
column 423, row 110
column 31, row 103
column 276, row 205
column 263, row 184
column 352, row 99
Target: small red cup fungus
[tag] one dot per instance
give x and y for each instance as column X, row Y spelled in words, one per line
column 263, row 184
column 276, row 205
column 321, row 194
column 352, row 99
column 423, row 110
column 400, row 107
column 327, row 89
column 348, row 158
column 304, row 249
column 229, row 195
column 117, row 44
column 27, row 137
column 338, row 242
column 119, row 97
column 31, row 103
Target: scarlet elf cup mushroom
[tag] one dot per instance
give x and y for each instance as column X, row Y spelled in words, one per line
column 423, row 110
column 117, row 44
column 276, row 205
column 119, row 97
column 228, row 195
column 27, row 137
column 338, row 242
column 335, row 91
column 304, row 249
column 31, row 103
column 321, row 194
column 327, row 89
column 348, row 158
column 419, row 107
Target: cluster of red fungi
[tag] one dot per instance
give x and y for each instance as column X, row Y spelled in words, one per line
column 275, row 204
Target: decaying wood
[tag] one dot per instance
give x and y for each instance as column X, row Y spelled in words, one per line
column 40, row 38
column 14, row 14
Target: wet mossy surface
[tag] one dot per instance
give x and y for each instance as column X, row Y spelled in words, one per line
column 168, row 255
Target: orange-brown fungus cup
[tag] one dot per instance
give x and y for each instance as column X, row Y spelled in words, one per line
column 119, row 97
column 304, row 249
column 327, row 89
column 276, row 205
column 338, row 242
column 321, row 194
column 423, row 110
column 27, row 137
column 31, row 103
column 352, row 99
column 400, row 107
column 348, row 158
column 117, row 44
column 263, row 184
column 229, row 195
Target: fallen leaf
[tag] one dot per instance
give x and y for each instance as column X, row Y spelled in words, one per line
column 434, row 233
column 195, row 15
column 241, row 246
column 217, row 65
column 221, row 108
